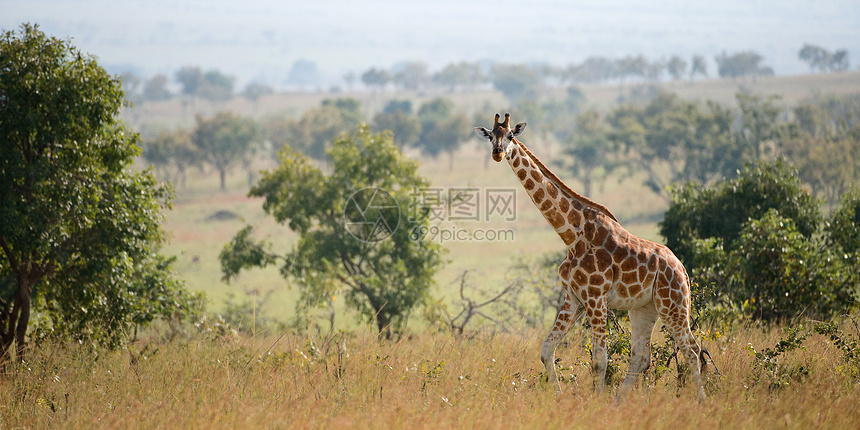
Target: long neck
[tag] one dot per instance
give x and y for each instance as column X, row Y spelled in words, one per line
column 567, row 211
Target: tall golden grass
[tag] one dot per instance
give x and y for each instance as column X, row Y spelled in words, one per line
column 428, row 380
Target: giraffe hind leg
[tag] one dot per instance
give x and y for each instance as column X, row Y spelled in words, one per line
column 642, row 321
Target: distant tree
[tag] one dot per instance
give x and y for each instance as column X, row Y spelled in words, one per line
column 395, row 105
column 741, row 65
column 223, row 141
column 630, row 67
column 673, row 140
column 132, row 87
column 698, row 67
column 255, row 90
column 81, row 226
column 349, row 78
column 405, row 128
column 460, row 75
column 374, row 78
column 816, row 56
column 516, row 81
column 155, row 89
column 843, row 230
column 839, row 61
column 677, row 68
column 191, row 79
column 589, row 151
column 412, row 75
column 759, row 130
column 317, row 128
column 171, row 153
column 383, row 276
column 442, row 130
column 593, row 69
column 216, row 86
column 303, row 74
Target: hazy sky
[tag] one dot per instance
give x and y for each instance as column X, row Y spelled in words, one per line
column 261, row 39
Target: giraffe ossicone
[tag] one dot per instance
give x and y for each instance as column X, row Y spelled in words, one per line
column 606, row 267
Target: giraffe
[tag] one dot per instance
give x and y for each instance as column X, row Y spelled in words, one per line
column 606, row 267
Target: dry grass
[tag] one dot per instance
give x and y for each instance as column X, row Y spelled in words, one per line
column 425, row 381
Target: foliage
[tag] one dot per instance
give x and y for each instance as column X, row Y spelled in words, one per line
column 172, row 154
column 722, row 210
column 460, row 75
column 211, row 85
column 224, row 140
column 688, row 140
column 754, row 238
column 766, row 366
column 80, row 228
column 442, row 129
column 823, row 60
column 741, row 65
column 843, row 230
column 313, row 133
column 590, row 151
column 383, row 280
column 516, row 81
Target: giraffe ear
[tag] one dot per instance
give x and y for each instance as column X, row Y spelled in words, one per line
column 483, row 132
column 519, row 128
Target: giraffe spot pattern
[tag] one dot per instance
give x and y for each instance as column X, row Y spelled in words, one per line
column 538, row 195
column 545, row 205
column 564, row 206
column 537, row 176
column 568, row 236
column 573, row 217
column 529, row 184
column 555, row 218
column 516, row 162
column 521, row 174
column 552, row 190
column 604, row 259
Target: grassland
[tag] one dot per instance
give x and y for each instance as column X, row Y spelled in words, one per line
column 428, row 380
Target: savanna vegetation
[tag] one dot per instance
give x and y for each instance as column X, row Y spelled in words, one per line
column 303, row 319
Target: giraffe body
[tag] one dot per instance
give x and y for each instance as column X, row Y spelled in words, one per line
column 606, row 267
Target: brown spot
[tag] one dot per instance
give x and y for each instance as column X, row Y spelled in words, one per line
column 522, row 174
column 610, row 244
column 568, row 236
column 676, row 296
column 642, row 272
column 594, row 291
column 629, row 264
column 537, row 176
column 621, row 290
column 573, row 217
column 589, row 231
column 555, row 218
column 652, row 264
column 601, row 234
column 619, row 254
column 526, row 162
column 579, row 277
column 596, row 279
column 564, row 270
column 516, row 162
column 538, row 195
column 603, row 259
column 564, row 205
column 629, row 278
column 587, row 263
column 649, row 279
column 552, row 190
column 545, row 205
column 579, row 249
column 529, row 184
column 634, row 289
column 642, row 258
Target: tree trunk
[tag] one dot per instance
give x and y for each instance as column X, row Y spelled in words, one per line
column 223, row 175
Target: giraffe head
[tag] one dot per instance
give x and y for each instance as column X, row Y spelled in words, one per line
column 501, row 136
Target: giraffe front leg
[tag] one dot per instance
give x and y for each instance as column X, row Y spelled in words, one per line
column 597, row 318
column 569, row 313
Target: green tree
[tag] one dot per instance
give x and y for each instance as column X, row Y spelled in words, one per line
column 442, row 129
column 677, row 67
column 374, row 78
column 412, row 75
column 155, row 89
column 460, row 75
column 172, row 153
column 81, row 227
column 816, row 56
column 313, row 133
column 843, row 230
column 698, row 67
column 674, row 140
column 516, row 81
column 721, row 211
column 383, row 278
column 224, row 140
column 405, row 128
column 589, row 151
column 741, row 65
